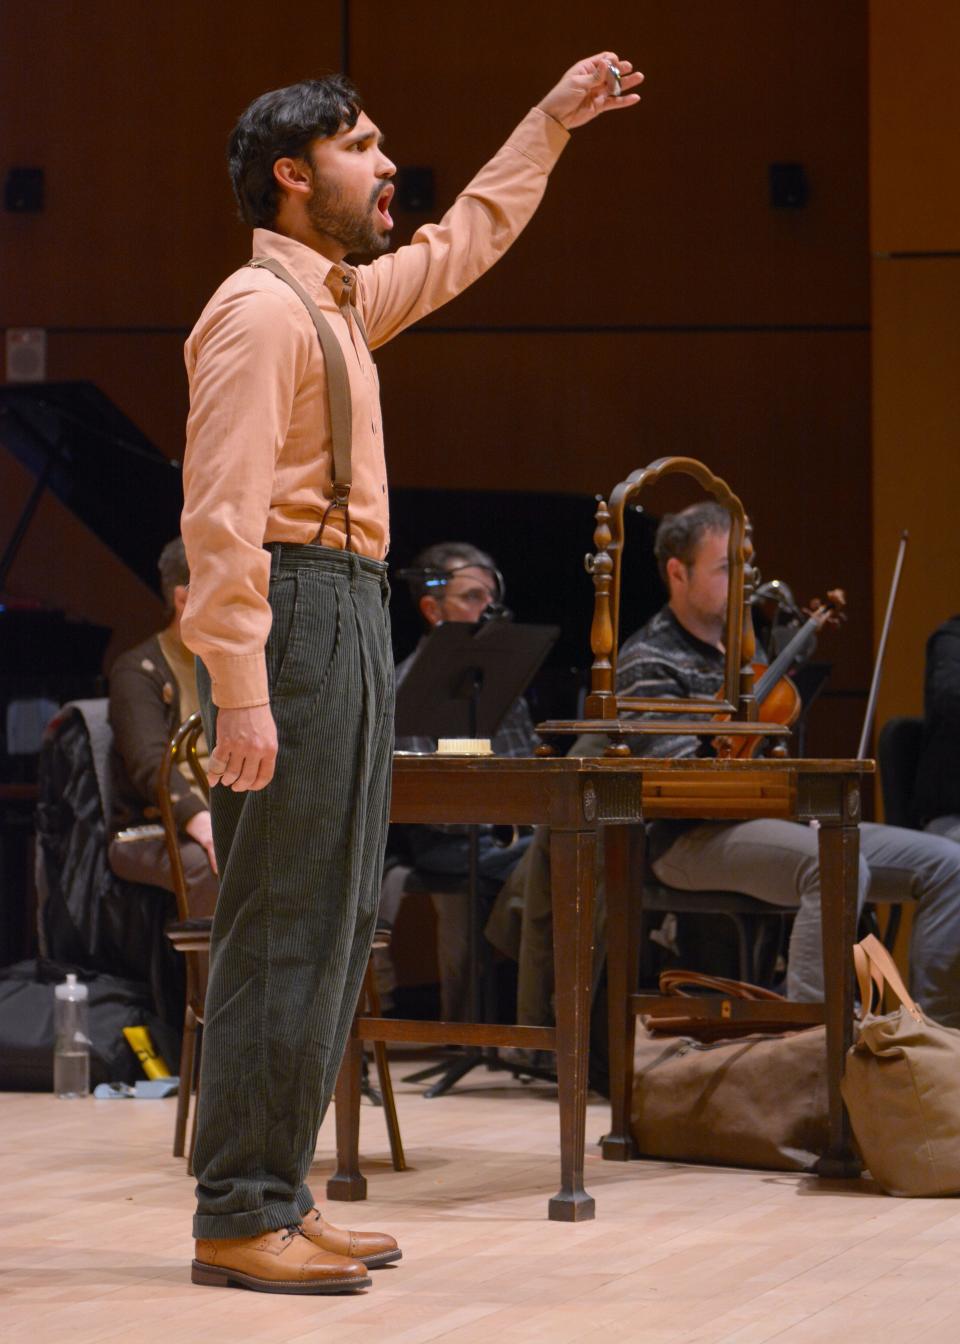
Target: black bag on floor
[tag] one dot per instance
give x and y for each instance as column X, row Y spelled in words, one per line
column 26, row 1026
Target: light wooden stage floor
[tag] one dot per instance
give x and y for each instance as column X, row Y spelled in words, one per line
column 95, row 1240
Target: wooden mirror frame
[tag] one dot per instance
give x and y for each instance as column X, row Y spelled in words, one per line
column 605, row 568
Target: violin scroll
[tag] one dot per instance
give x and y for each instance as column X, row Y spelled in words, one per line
column 831, row 612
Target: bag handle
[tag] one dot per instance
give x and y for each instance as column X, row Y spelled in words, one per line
column 673, row 982
column 868, row 979
column 338, row 396
column 874, row 962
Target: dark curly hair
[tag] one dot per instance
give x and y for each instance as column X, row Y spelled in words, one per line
column 281, row 124
column 679, row 534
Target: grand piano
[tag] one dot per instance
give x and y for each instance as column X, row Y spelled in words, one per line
column 79, row 446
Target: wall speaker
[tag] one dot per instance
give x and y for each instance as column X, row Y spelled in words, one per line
column 789, row 188
column 26, row 355
column 23, row 191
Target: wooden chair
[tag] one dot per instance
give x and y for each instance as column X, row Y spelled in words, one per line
column 898, row 759
column 191, row 934
column 750, row 919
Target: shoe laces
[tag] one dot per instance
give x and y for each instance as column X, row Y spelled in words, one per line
column 292, row 1231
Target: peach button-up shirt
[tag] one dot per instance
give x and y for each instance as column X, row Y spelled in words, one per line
column 258, row 460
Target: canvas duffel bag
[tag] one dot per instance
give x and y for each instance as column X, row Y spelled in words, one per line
column 758, row 1101
column 901, row 1085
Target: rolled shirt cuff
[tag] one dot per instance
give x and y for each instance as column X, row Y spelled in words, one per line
column 238, row 681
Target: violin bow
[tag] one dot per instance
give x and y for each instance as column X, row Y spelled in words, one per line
column 881, row 649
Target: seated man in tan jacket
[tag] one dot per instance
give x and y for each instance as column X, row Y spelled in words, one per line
column 153, row 689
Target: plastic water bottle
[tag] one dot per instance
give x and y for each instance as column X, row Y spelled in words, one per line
column 71, row 1051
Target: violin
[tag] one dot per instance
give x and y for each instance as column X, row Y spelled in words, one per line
column 777, row 698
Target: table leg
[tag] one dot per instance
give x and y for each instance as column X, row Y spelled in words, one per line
column 839, row 857
column 623, row 868
column 572, row 859
column 347, row 1182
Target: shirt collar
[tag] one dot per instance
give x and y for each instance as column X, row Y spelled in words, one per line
column 699, row 646
column 314, row 271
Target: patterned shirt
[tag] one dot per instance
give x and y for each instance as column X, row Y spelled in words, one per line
column 664, row 660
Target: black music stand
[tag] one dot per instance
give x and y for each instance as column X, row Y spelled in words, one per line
column 461, row 683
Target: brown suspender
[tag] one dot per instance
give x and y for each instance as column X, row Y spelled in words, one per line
column 338, row 394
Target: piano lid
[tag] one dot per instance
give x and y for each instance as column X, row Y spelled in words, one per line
column 99, row 464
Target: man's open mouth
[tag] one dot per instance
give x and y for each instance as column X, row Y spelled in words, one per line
column 383, row 206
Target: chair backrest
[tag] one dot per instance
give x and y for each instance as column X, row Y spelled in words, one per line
column 898, row 756
column 96, row 716
column 73, row 816
column 183, row 747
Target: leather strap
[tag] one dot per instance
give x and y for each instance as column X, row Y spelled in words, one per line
column 338, row 395
column 872, row 960
column 674, row 1018
column 868, row 978
column 672, row 982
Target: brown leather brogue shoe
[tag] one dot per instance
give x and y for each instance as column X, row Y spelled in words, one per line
column 284, row 1261
column 372, row 1248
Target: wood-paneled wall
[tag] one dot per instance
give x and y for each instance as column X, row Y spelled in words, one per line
column 656, row 303
column 915, row 238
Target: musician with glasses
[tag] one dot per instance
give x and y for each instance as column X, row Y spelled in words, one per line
column 454, row 581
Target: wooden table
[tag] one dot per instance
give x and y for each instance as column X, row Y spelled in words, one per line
column 575, row 797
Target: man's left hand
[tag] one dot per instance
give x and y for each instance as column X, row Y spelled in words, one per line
column 200, row 828
column 583, row 93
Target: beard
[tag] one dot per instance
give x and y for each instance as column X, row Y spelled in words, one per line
column 351, row 227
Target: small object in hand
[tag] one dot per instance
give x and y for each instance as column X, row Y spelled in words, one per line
column 613, row 80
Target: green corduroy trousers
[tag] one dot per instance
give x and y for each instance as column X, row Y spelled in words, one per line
column 300, row 868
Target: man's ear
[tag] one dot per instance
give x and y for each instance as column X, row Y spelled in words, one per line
column 430, row 609
column 676, row 571
column 293, row 176
column 180, row 598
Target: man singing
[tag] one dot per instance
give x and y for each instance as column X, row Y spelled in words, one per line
column 286, row 529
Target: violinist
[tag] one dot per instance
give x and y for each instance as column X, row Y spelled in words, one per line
column 679, row 653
